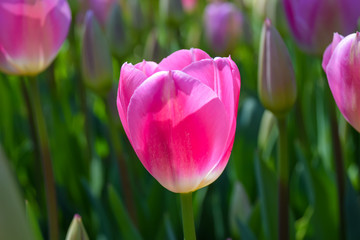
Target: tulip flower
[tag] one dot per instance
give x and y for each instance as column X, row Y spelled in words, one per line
column 31, row 35
column 341, row 63
column 277, row 86
column 313, row 22
column 189, row 5
column 96, row 58
column 180, row 116
column 223, row 25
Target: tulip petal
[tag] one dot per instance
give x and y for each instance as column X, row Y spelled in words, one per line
column 182, row 58
column 330, row 49
column 223, row 77
column 130, row 79
column 147, row 67
column 178, row 129
column 216, row 171
column 343, row 75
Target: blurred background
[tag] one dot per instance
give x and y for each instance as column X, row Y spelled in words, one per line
column 97, row 174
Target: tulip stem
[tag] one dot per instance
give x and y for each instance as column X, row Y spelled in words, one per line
column 187, row 216
column 45, row 160
column 283, row 179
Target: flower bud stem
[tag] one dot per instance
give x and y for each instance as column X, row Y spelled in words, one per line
column 187, row 216
column 45, row 160
column 283, row 182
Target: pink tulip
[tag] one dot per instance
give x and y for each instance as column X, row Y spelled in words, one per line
column 341, row 63
column 180, row 116
column 189, row 5
column 223, row 26
column 32, row 32
column 313, row 22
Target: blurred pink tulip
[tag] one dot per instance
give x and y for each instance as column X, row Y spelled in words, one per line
column 223, row 26
column 341, row 63
column 180, row 116
column 32, row 32
column 189, row 5
column 313, row 22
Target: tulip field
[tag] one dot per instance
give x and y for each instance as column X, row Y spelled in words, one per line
column 179, row 119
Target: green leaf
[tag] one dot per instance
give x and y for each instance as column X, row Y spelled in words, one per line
column 34, row 225
column 239, row 209
column 323, row 198
column 267, row 186
column 245, row 232
column 13, row 222
column 352, row 212
column 127, row 229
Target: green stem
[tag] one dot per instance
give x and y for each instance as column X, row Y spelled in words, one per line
column 45, row 160
column 33, row 133
column 187, row 216
column 283, row 182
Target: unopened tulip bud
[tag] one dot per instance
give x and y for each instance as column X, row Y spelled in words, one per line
column 96, row 59
column 276, row 78
column 223, row 25
column 341, row 64
column 115, row 31
column 31, row 34
column 76, row 230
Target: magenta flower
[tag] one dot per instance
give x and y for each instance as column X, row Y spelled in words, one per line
column 313, row 22
column 180, row 116
column 189, row 5
column 341, row 63
column 32, row 33
column 223, row 26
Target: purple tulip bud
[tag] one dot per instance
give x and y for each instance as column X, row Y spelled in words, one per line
column 223, row 26
column 96, row 59
column 116, row 33
column 101, row 9
column 276, row 77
